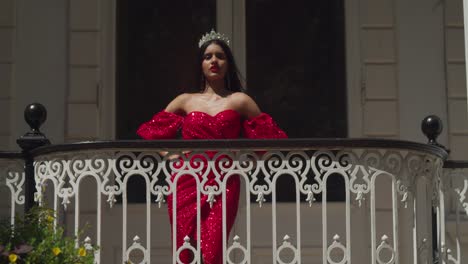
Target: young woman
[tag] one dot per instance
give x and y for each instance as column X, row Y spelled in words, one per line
column 219, row 109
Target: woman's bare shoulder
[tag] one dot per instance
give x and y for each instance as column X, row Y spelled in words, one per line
column 240, row 96
column 244, row 104
column 178, row 104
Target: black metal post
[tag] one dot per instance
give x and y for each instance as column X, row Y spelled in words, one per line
column 35, row 115
column 432, row 127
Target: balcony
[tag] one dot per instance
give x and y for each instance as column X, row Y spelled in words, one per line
column 398, row 201
column 390, row 188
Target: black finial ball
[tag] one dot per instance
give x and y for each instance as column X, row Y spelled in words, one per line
column 35, row 115
column 432, row 126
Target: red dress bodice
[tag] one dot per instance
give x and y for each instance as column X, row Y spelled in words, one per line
column 226, row 124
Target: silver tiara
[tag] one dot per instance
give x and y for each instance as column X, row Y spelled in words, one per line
column 211, row 36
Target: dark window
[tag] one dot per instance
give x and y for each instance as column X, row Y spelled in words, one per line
column 295, row 64
column 156, row 51
column 296, row 70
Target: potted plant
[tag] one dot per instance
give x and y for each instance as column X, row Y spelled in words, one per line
column 34, row 240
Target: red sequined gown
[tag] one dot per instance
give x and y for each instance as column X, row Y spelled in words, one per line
column 226, row 124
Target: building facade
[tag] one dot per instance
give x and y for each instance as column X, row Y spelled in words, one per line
column 404, row 60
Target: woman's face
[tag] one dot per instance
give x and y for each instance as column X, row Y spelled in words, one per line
column 214, row 64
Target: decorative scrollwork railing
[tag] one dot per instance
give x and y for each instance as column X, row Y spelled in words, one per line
column 411, row 174
column 454, row 189
column 390, row 190
column 11, row 183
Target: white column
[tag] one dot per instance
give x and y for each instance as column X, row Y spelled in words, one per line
column 230, row 20
column 354, row 68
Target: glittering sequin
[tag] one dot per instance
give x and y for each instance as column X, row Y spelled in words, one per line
column 226, row 124
column 163, row 125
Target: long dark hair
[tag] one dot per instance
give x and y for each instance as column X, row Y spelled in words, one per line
column 232, row 80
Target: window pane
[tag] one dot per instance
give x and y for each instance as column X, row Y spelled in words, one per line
column 296, row 71
column 157, row 44
column 156, row 51
column 296, row 65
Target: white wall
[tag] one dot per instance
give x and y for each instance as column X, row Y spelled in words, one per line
column 52, row 52
column 421, row 66
column 84, row 68
column 40, row 65
column 7, row 66
column 380, row 65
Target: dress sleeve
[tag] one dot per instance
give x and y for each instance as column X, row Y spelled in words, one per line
column 163, row 125
column 262, row 126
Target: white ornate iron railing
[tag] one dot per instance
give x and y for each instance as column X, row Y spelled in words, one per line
column 11, row 185
column 389, row 189
column 414, row 182
column 453, row 226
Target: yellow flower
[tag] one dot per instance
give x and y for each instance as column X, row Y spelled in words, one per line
column 12, row 258
column 56, row 251
column 82, row 252
column 50, row 219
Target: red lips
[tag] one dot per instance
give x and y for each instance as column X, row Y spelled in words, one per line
column 214, row 68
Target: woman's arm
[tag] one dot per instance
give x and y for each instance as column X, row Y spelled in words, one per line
column 178, row 106
column 164, row 125
column 256, row 124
